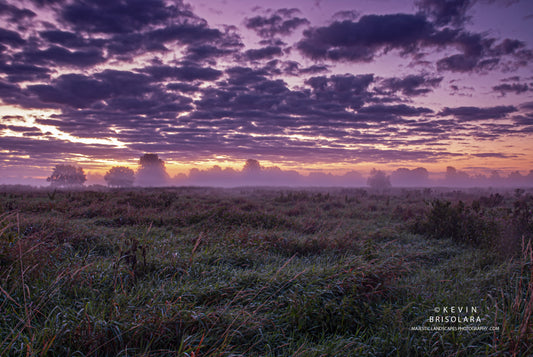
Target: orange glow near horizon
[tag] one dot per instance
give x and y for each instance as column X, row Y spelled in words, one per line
column 174, row 168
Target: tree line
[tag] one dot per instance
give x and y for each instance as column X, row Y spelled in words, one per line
column 151, row 172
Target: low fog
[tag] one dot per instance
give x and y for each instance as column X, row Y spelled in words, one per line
column 151, row 172
column 403, row 177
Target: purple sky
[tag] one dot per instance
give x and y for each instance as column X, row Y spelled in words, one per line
column 331, row 86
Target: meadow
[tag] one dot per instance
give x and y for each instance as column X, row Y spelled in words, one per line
column 265, row 272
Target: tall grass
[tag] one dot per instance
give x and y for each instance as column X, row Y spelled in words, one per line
column 258, row 273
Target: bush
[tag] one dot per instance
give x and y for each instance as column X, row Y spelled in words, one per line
column 460, row 223
column 523, row 216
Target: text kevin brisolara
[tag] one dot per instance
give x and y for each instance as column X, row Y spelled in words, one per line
column 455, row 314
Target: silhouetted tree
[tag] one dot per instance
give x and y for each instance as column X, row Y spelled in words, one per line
column 67, row 175
column 378, row 180
column 120, row 176
column 152, row 171
column 251, row 166
column 406, row 177
column 456, row 178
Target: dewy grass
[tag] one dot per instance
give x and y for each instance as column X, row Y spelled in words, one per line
column 263, row 272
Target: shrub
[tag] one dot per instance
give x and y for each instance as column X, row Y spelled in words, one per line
column 460, row 223
column 523, row 216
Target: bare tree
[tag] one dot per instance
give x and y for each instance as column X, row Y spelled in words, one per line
column 67, row 175
column 120, row 176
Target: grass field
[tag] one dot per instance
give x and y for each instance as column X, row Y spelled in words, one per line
column 265, row 272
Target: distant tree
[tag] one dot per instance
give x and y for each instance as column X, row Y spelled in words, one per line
column 515, row 176
column 251, row 166
column 151, row 161
column 378, row 180
column 495, row 178
column 120, row 176
column 67, row 175
column 406, row 177
column 152, row 171
column 456, row 178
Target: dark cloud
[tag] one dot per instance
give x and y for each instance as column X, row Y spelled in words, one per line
column 126, row 46
column 14, row 13
column 511, row 79
column 400, row 109
column 463, row 63
column 61, row 56
column 46, row 151
column 360, row 41
column 23, row 129
column 122, row 16
column 24, row 72
column 70, row 39
column 477, row 53
column 314, row 69
column 293, row 68
column 457, row 63
column 47, row 2
column 183, row 87
column 201, row 52
column 372, row 35
column 13, row 117
column 157, row 106
column 241, row 76
column 125, row 82
column 263, row 53
column 508, row 46
column 527, row 105
column 80, row 91
column 526, row 119
column 74, row 90
column 281, row 22
column 200, row 42
column 515, row 88
column 493, row 154
column 9, row 92
column 184, row 73
column 11, row 38
column 346, row 89
column 475, row 113
column 410, row 85
column 249, row 102
column 446, row 12
column 61, row 37
column 185, row 34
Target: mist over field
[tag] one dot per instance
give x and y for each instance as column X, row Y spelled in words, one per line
column 254, row 174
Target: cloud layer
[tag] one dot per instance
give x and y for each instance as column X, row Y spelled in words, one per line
column 112, row 79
